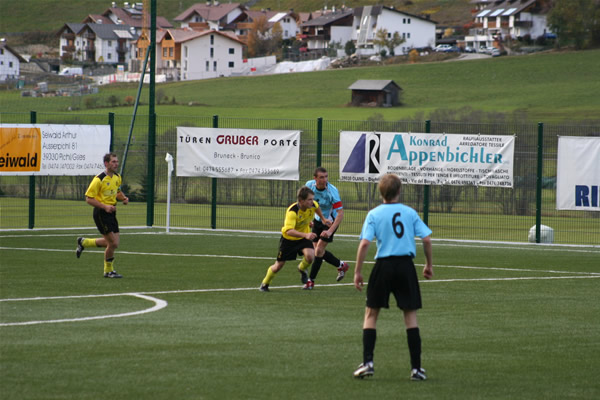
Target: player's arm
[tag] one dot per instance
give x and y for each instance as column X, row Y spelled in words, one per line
column 95, row 203
column 427, row 248
column 336, row 222
column 121, row 196
column 321, row 216
column 361, row 254
column 302, row 235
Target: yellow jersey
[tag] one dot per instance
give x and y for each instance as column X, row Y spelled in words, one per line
column 104, row 188
column 297, row 219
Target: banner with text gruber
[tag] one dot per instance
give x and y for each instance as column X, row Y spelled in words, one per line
column 238, row 153
column 44, row 149
column 578, row 173
column 427, row 159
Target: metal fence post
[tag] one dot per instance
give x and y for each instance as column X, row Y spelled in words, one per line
column 33, row 120
column 426, row 189
column 111, row 122
column 538, row 192
column 151, row 166
column 213, row 208
column 319, row 140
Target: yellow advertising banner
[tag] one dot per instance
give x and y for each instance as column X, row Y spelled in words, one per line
column 20, row 149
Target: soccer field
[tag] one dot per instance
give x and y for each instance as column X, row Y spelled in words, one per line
column 187, row 321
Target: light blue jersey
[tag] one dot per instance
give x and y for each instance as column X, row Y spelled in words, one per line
column 329, row 199
column 395, row 227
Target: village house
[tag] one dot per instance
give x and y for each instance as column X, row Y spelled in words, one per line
column 10, row 62
column 288, row 21
column 416, row 31
column 210, row 16
column 334, row 26
column 495, row 21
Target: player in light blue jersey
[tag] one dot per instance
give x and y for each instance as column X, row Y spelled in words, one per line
column 331, row 206
column 395, row 226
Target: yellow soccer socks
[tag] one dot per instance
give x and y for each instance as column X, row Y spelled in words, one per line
column 269, row 277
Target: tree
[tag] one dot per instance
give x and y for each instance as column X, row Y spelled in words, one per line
column 382, row 39
column 575, row 21
column 349, row 48
column 261, row 42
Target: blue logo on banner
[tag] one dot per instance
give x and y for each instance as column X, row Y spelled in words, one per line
column 356, row 162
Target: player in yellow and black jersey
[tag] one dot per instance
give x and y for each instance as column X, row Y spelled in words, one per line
column 296, row 236
column 102, row 194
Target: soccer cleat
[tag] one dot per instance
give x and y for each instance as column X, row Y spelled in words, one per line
column 112, row 274
column 417, row 374
column 79, row 247
column 264, row 287
column 342, row 271
column 364, row 370
column 303, row 276
column 308, row 285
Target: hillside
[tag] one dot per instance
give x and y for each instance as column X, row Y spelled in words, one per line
column 49, row 15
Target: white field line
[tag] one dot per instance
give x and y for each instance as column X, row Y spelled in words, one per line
column 270, row 258
column 158, row 305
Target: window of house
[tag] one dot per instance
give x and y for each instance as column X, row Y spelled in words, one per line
column 403, row 20
column 408, row 35
column 110, row 43
column 185, row 51
column 212, row 39
column 403, row 35
column 212, row 52
column 1, row 51
column 170, row 52
column 232, row 51
column 185, row 65
column 215, row 66
column 109, row 56
column 389, row 35
column 207, row 66
column 164, row 52
column 10, row 64
column 231, row 64
column 408, row 21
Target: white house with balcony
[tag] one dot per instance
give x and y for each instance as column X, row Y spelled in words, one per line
column 508, row 19
column 417, row 32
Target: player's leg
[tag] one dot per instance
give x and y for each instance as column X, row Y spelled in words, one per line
column 413, row 338
column 341, row 266
column 271, row 272
column 316, row 265
column 366, row 369
column 112, row 240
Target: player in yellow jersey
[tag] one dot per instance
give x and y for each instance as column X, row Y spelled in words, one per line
column 102, row 194
column 296, row 236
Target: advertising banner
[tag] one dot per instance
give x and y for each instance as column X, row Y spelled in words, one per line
column 427, row 159
column 238, row 153
column 38, row 149
column 578, row 173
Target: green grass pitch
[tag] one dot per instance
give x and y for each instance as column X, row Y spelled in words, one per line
column 187, row 321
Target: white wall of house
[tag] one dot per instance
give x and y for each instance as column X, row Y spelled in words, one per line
column 9, row 65
column 289, row 26
column 210, row 56
column 415, row 31
column 341, row 34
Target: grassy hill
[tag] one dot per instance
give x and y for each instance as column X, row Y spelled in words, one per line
column 548, row 87
column 50, row 15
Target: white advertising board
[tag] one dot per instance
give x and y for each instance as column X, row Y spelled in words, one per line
column 53, row 149
column 238, row 153
column 578, row 173
column 427, row 159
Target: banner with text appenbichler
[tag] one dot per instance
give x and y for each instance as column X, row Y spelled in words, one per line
column 428, row 158
column 238, row 153
column 44, row 149
column 578, row 173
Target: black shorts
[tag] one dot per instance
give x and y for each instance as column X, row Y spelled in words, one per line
column 289, row 249
column 106, row 222
column 319, row 227
column 395, row 275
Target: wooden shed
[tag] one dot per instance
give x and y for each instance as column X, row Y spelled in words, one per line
column 375, row 93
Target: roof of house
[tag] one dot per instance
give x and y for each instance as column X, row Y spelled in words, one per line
column 73, row 27
column 506, row 9
column 377, row 10
column 329, row 18
column 209, row 12
column 3, row 45
column 133, row 17
column 369, row 84
column 111, row 31
column 181, row 35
